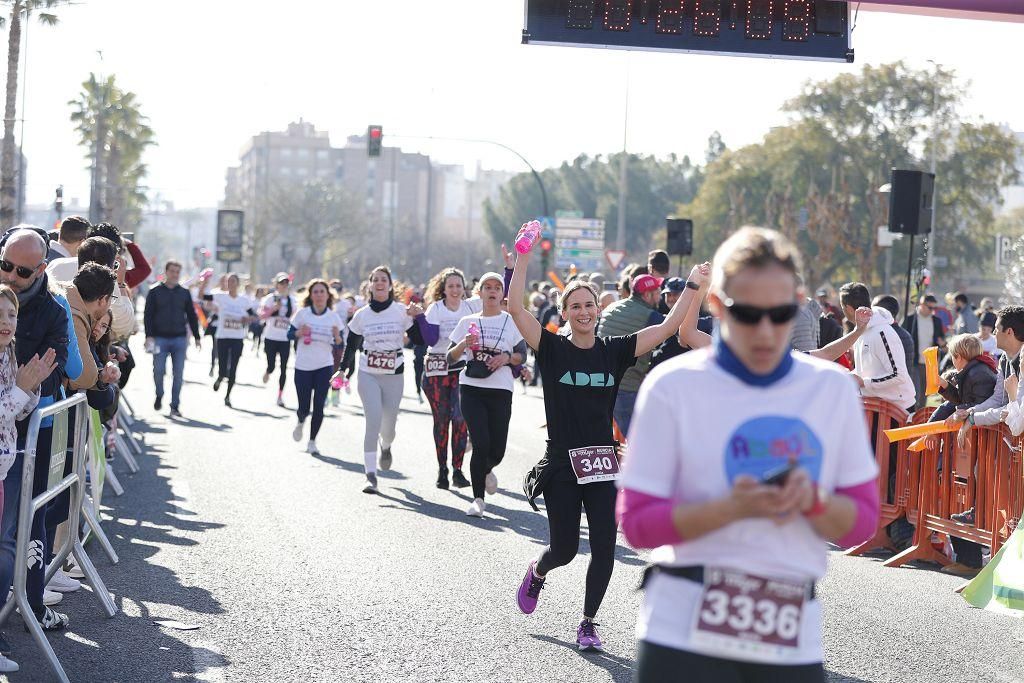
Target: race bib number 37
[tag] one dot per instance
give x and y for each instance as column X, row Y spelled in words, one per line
column 594, row 463
column 743, row 614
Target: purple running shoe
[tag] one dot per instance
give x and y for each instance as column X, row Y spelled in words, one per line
column 587, row 637
column 529, row 590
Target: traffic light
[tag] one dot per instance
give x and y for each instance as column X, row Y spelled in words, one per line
column 374, row 139
column 545, row 254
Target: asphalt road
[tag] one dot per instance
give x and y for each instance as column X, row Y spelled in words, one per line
column 291, row 573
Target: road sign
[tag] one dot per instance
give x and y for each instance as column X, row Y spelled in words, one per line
column 230, row 235
column 1004, row 252
column 579, row 241
column 567, row 213
column 615, row 257
column 886, row 238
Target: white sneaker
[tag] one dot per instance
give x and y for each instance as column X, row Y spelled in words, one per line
column 8, row 666
column 311, row 448
column 51, row 598
column 62, row 583
column 491, row 483
column 73, row 570
column 297, row 432
column 477, row 508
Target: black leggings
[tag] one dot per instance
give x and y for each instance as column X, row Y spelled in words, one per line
column 660, row 664
column 487, row 413
column 564, row 502
column 228, row 353
column 312, row 383
column 274, row 349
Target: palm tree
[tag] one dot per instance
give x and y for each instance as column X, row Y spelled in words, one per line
column 112, row 127
column 8, row 175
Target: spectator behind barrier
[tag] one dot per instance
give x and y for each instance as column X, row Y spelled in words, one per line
column 971, row 383
column 73, row 230
column 879, row 365
column 95, row 249
column 966, row 321
column 926, row 330
column 892, row 304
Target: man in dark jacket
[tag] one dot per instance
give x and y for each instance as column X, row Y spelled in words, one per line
column 925, row 330
column 42, row 325
column 170, row 315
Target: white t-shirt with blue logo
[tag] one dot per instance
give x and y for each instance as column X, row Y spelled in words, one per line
column 697, row 427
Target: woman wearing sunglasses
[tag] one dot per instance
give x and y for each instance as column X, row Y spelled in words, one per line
column 743, row 460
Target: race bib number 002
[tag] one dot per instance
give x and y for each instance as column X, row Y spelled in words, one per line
column 281, row 323
column 437, row 365
column 594, row 463
column 381, row 361
column 744, row 614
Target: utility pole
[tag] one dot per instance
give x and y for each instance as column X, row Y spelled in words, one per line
column 620, row 232
column 932, row 241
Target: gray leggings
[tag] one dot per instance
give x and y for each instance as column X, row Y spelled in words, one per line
column 381, row 395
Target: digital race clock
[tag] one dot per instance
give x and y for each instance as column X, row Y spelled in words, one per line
column 789, row 29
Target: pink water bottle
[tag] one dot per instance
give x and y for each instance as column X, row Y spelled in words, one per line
column 206, row 274
column 528, row 236
column 474, row 330
column 337, row 381
column 307, row 336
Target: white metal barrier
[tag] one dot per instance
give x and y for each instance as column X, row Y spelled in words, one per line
column 30, row 505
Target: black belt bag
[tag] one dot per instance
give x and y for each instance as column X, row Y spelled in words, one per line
column 695, row 574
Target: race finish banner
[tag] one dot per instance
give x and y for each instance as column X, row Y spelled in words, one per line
column 579, row 242
column 230, row 234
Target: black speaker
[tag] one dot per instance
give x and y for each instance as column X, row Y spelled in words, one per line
column 680, row 236
column 910, row 202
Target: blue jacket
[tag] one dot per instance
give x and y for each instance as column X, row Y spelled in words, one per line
column 43, row 325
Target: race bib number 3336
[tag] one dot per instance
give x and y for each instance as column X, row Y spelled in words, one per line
column 744, row 614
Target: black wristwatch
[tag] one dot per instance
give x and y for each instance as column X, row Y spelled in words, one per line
column 692, row 285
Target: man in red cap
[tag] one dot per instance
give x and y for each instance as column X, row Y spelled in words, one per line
column 624, row 317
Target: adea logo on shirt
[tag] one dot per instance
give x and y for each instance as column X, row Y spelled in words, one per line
column 585, row 379
column 764, row 443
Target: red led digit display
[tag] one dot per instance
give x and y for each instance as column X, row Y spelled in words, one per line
column 794, row 29
column 617, row 14
column 759, row 19
column 707, row 18
column 580, row 14
column 796, row 20
column 670, row 17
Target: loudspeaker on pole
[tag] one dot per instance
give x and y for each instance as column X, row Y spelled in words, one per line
column 679, row 233
column 910, row 202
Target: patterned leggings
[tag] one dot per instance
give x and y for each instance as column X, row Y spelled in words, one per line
column 443, row 396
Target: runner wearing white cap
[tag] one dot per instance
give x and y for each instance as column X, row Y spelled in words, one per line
column 277, row 310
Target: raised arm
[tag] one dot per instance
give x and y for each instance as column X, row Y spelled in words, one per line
column 650, row 337
column 528, row 325
column 845, row 343
column 689, row 335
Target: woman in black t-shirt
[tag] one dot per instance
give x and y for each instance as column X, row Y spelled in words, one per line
column 581, row 374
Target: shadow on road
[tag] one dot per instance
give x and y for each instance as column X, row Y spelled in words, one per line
column 130, row 646
column 833, row 677
column 357, row 467
column 620, row 668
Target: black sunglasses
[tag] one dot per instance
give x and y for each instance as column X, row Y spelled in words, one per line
column 752, row 315
column 23, row 272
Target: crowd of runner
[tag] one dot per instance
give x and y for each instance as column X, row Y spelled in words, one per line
column 715, row 419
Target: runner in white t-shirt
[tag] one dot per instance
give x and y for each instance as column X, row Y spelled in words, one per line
column 380, row 327
column 491, row 343
column 277, row 310
column 234, row 313
column 447, row 306
column 316, row 328
column 743, row 460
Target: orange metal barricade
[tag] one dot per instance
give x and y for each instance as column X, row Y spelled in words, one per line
column 892, row 459
column 913, row 464
column 984, row 476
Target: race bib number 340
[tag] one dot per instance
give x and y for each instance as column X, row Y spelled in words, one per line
column 744, row 614
column 594, row 463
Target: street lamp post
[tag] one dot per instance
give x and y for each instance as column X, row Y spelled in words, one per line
column 935, row 144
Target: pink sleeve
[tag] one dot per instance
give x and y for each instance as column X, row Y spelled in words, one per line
column 646, row 520
column 865, row 497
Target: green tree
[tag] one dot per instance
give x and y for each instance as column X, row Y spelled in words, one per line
column 19, row 10
column 111, row 125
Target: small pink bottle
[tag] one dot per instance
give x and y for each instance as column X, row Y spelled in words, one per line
column 474, row 330
column 528, row 236
column 337, row 381
column 307, row 337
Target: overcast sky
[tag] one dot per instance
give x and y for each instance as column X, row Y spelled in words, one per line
column 212, row 73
